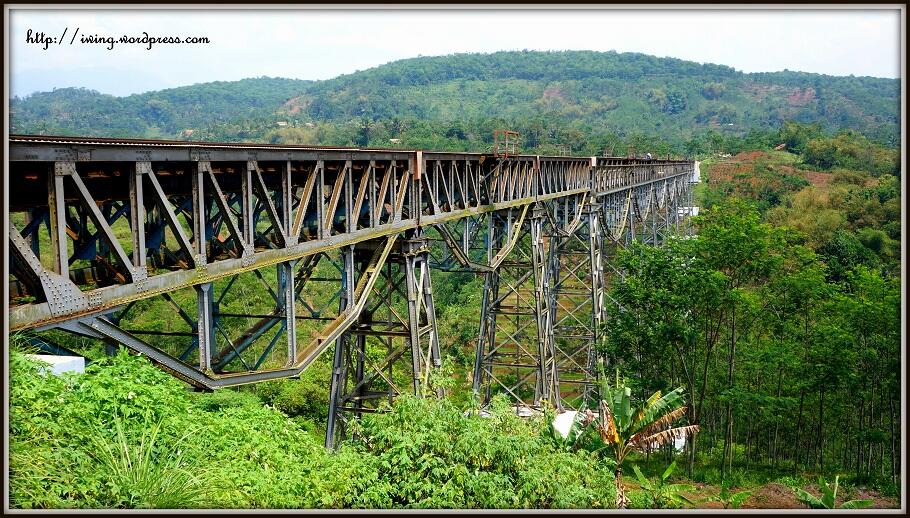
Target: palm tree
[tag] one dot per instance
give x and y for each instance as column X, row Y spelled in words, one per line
column 624, row 428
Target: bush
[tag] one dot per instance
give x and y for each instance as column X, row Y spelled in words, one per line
column 306, row 397
column 433, row 456
column 244, row 454
column 850, row 150
column 225, row 398
column 145, row 473
column 124, row 434
column 57, row 421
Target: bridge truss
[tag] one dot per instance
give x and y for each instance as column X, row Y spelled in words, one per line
column 172, row 248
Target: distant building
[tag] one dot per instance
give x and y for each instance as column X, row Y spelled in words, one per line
column 395, row 141
column 281, row 123
column 310, row 125
column 188, row 133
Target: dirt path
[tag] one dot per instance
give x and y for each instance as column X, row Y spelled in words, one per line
column 778, row 496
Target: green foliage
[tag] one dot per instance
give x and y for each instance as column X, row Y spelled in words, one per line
column 843, row 252
column 661, row 494
column 713, row 91
column 305, row 397
column 794, row 482
column 623, row 427
column 796, row 136
column 851, row 150
column 777, row 334
column 828, row 498
column 163, row 113
column 225, row 398
column 429, row 454
column 126, row 435
column 55, row 421
column 729, row 499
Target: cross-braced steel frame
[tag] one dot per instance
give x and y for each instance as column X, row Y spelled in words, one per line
column 228, row 264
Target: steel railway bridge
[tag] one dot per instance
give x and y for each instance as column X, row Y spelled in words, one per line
column 337, row 245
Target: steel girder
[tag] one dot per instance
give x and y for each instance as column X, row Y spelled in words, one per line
column 337, row 246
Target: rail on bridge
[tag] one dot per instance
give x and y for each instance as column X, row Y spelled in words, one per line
column 173, row 249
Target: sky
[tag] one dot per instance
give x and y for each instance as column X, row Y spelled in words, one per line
column 321, row 44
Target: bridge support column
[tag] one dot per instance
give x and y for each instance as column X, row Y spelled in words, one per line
column 598, row 294
column 421, row 313
column 577, row 282
column 516, row 355
column 483, row 364
column 335, row 425
column 544, row 262
column 372, row 363
column 287, row 304
column 205, row 325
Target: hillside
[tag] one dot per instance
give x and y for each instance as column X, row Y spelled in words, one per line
column 544, row 94
column 163, row 113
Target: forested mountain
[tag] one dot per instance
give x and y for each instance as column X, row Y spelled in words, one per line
column 164, row 113
column 548, row 96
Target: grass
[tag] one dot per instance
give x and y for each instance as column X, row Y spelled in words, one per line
column 138, row 476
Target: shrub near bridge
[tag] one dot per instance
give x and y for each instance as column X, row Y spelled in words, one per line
column 429, row 454
column 124, row 435
column 56, row 421
column 68, row 434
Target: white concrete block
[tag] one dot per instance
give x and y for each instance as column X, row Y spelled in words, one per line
column 688, row 211
column 563, row 422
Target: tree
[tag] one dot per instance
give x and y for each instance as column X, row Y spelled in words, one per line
column 735, row 242
column 667, row 319
column 624, row 428
column 796, row 135
column 713, row 90
column 363, row 132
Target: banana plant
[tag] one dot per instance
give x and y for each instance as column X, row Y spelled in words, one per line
column 624, row 427
column 659, row 492
column 729, row 499
column 829, row 495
